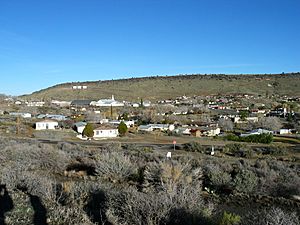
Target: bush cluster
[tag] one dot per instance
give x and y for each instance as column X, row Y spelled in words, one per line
column 255, row 138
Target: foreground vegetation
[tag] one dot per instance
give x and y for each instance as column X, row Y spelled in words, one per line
column 71, row 184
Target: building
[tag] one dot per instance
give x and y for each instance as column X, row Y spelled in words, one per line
column 129, row 123
column 257, row 132
column 285, row 131
column 46, row 125
column 107, row 103
column 238, row 119
column 152, row 127
column 80, row 104
column 35, row 104
column 19, row 114
column 79, row 126
column 105, row 131
column 61, row 103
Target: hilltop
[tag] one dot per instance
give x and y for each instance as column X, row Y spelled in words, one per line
column 162, row 87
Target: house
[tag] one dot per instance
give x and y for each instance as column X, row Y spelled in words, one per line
column 105, row 131
column 183, row 131
column 129, row 123
column 61, row 103
column 35, row 104
column 285, row 131
column 238, row 119
column 152, row 127
column 210, row 131
column 79, row 126
column 80, row 104
column 107, row 103
column 146, row 103
column 195, row 132
column 257, row 132
column 279, row 112
column 56, row 117
column 19, row 114
column 46, row 125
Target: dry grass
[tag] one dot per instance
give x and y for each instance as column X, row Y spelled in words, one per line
column 169, row 87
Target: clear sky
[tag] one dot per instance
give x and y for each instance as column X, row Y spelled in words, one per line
column 46, row 42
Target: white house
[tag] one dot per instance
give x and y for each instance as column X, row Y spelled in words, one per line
column 212, row 131
column 238, row 119
column 285, row 131
column 129, row 123
column 23, row 115
column 79, row 126
column 257, row 132
column 152, row 127
column 35, row 104
column 61, row 103
column 105, row 131
column 46, row 125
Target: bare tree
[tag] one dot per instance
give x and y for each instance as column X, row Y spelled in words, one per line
column 270, row 123
column 273, row 216
column 226, row 124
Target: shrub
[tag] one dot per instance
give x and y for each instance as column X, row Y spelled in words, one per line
column 230, row 219
column 255, row 138
column 114, row 166
column 217, row 177
column 245, row 181
column 273, row 216
column 194, row 147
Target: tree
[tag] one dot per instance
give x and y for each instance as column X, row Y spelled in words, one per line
column 244, row 114
column 270, row 123
column 226, row 124
column 230, row 219
column 88, row 131
column 122, row 129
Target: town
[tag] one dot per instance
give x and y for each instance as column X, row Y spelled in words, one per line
column 197, row 116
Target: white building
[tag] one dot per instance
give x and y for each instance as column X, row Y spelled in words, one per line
column 105, row 132
column 35, row 104
column 285, row 131
column 238, row 119
column 257, row 132
column 211, row 132
column 79, row 126
column 61, row 103
column 23, row 115
column 46, row 125
column 152, row 127
column 129, row 123
column 107, row 103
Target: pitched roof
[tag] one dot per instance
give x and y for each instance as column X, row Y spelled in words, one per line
column 81, row 102
column 105, row 127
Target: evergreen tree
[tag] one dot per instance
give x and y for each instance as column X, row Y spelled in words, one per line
column 122, row 129
column 88, row 131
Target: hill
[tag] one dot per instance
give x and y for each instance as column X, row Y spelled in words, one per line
column 163, row 87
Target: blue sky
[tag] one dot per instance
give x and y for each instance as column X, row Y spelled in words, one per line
column 46, row 42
